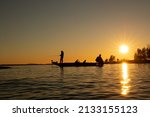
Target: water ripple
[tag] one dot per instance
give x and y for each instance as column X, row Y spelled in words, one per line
column 51, row 82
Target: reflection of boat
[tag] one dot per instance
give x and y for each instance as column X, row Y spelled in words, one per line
column 4, row 67
column 77, row 64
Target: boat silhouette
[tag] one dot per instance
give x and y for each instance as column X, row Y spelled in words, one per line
column 79, row 64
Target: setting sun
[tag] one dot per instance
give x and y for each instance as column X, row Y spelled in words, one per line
column 123, row 49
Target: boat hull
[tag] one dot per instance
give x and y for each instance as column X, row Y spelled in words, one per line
column 77, row 64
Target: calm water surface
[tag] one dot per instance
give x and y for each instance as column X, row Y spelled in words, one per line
column 117, row 81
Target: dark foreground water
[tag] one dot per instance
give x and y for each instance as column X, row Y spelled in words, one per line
column 118, row 81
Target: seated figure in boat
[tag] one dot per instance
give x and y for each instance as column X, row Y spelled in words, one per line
column 99, row 60
column 77, row 61
column 84, row 61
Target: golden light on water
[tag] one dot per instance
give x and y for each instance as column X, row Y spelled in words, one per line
column 125, row 79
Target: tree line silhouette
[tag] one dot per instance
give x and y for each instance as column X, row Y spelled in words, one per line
column 112, row 59
column 142, row 54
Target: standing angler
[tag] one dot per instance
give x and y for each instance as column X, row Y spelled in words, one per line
column 61, row 56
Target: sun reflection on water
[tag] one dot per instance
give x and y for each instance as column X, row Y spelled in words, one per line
column 125, row 79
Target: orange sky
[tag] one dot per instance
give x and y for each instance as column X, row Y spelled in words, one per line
column 36, row 31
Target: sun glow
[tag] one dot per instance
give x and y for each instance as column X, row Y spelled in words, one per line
column 124, row 49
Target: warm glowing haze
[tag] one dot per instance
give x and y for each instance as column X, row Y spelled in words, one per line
column 35, row 31
column 124, row 49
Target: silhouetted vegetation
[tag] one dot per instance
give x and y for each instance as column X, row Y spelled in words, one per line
column 142, row 54
column 112, row 59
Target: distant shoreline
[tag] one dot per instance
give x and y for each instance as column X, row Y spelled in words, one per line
column 4, row 65
column 129, row 61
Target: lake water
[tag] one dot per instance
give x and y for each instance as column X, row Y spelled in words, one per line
column 113, row 81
